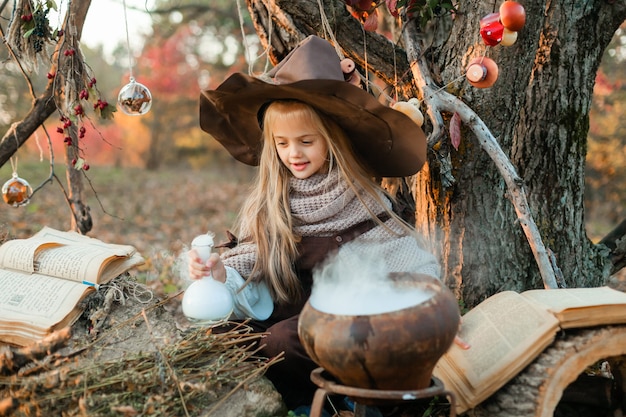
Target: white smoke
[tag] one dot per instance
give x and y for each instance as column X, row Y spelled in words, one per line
column 356, row 282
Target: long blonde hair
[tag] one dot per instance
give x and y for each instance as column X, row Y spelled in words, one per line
column 265, row 218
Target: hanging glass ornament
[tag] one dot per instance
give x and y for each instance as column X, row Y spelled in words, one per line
column 16, row 191
column 134, row 99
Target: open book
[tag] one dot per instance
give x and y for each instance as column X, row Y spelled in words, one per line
column 43, row 279
column 509, row 330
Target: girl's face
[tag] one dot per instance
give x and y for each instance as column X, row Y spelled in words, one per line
column 300, row 146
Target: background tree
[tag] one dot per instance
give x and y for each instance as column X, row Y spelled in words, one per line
column 538, row 110
column 193, row 46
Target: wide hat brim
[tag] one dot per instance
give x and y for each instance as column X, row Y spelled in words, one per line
column 388, row 142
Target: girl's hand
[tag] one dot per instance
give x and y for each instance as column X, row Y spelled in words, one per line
column 461, row 343
column 213, row 267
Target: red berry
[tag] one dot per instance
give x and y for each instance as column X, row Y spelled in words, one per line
column 86, row 167
column 84, row 94
column 51, row 75
column 59, row 130
column 92, row 82
column 78, row 110
column 67, row 123
column 68, row 141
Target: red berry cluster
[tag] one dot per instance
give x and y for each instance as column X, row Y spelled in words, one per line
column 101, row 107
column 27, row 17
column 69, row 52
column 67, row 139
column 67, row 123
column 100, row 104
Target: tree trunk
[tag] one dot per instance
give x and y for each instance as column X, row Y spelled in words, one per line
column 538, row 109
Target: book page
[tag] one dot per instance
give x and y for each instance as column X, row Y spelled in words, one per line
column 580, row 307
column 37, row 300
column 505, row 333
column 19, row 254
column 76, row 262
column 68, row 255
column 51, row 235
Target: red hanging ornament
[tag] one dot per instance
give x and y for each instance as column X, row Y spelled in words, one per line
column 512, row 15
column 491, row 29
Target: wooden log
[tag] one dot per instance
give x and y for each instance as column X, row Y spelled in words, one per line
column 539, row 388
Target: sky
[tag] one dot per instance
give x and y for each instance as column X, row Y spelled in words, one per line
column 105, row 23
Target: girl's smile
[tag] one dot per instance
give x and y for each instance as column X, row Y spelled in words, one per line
column 301, row 148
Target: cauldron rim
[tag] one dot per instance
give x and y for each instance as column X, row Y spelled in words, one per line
column 430, row 284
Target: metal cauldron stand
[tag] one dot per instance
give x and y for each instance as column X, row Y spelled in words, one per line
column 363, row 397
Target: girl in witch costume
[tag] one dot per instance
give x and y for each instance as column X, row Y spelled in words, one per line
column 319, row 141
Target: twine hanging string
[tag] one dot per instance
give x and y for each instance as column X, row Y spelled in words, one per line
column 246, row 46
column 13, row 158
column 130, row 61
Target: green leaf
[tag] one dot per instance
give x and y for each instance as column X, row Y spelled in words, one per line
column 80, row 162
column 28, row 33
column 51, row 4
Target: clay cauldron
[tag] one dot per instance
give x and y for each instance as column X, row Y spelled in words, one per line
column 395, row 350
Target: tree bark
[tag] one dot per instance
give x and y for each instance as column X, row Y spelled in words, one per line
column 538, row 110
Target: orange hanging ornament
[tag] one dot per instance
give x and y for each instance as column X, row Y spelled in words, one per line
column 16, row 191
column 482, row 72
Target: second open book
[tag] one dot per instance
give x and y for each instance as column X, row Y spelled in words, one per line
column 509, row 330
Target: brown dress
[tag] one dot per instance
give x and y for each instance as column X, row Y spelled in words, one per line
column 292, row 375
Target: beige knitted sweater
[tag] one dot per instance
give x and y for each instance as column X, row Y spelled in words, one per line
column 323, row 205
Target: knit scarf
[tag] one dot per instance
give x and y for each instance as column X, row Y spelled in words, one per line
column 324, row 204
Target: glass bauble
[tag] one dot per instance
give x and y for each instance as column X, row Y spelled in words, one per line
column 134, row 99
column 16, row 191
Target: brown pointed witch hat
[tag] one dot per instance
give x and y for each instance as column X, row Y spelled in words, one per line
column 387, row 141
